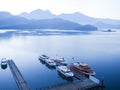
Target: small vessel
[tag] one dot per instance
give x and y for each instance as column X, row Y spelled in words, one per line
column 108, row 30
column 61, row 61
column 82, row 68
column 43, row 57
column 50, row 62
column 64, row 70
column 3, row 63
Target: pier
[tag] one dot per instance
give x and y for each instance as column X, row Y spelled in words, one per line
column 22, row 85
column 83, row 83
column 80, row 82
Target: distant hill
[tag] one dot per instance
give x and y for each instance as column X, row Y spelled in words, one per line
column 105, row 25
column 74, row 17
column 51, row 24
column 38, row 14
column 7, row 19
column 5, row 15
column 39, row 20
column 77, row 17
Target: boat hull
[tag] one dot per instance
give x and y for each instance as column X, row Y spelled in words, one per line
column 67, row 76
column 80, row 70
column 4, row 66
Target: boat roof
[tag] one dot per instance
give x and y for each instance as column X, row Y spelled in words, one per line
column 49, row 60
column 64, row 68
column 3, row 59
column 61, row 59
column 82, row 64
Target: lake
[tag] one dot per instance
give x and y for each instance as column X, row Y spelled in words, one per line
column 100, row 50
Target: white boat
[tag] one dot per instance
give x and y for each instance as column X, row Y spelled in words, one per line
column 43, row 57
column 61, row 61
column 50, row 62
column 3, row 63
column 64, row 70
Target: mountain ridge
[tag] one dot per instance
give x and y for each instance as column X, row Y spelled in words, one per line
column 78, row 18
column 51, row 24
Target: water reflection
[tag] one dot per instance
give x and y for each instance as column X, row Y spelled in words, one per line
column 43, row 62
column 69, row 79
column 7, row 35
column 11, row 33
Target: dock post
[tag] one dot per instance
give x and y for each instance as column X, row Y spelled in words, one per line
column 102, row 83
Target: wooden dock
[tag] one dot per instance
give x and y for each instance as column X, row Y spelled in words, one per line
column 82, row 84
column 22, row 85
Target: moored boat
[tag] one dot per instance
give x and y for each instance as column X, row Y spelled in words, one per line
column 43, row 57
column 82, row 68
column 50, row 62
column 64, row 70
column 60, row 61
column 3, row 63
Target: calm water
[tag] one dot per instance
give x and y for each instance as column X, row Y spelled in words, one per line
column 101, row 50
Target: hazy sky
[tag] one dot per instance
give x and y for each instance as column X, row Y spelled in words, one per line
column 93, row 8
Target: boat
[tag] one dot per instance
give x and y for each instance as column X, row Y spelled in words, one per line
column 3, row 63
column 43, row 57
column 82, row 68
column 64, row 70
column 50, row 62
column 108, row 30
column 61, row 61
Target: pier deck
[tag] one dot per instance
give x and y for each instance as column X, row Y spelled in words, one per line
column 22, row 85
column 82, row 84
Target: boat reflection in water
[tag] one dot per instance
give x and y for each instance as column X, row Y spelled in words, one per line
column 43, row 62
column 64, row 77
column 3, row 63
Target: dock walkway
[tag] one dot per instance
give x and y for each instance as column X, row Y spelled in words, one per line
column 82, row 84
column 22, row 85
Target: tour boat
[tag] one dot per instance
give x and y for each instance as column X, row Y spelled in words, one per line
column 43, row 57
column 82, row 68
column 50, row 62
column 60, row 61
column 64, row 70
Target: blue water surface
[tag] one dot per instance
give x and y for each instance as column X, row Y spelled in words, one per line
column 101, row 50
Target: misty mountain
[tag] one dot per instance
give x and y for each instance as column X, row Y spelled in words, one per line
column 77, row 17
column 52, row 24
column 104, row 25
column 38, row 14
column 8, row 19
column 74, row 17
column 5, row 15
column 83, row 19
